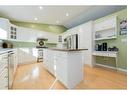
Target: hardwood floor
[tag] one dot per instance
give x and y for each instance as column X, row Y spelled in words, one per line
column 35, row 76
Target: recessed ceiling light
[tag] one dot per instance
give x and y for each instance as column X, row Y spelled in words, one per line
column 35, row 18
column 67, row 14
column 40, row 7
column 57, row 22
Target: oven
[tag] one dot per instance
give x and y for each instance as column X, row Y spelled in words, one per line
column 40, row 55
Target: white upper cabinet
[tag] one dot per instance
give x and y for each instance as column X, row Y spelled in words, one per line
column 106, row 29
column 52, row 37
column 85, row 32
column 26, row 35
column 106, row 24
column 12, row 33
column 4, row 28
column 8, row 31
column 31, row 35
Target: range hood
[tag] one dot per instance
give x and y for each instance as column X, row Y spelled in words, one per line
column 42, row 39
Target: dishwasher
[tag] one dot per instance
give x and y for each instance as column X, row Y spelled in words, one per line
column 11, row 67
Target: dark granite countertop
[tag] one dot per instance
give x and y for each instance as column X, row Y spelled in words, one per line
column 64, row 49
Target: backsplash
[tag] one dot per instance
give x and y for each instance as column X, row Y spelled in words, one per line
column 17, row 44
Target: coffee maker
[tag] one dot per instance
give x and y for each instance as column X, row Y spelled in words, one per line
column 101, row 47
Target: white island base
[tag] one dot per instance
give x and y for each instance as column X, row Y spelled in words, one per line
column 65, row 65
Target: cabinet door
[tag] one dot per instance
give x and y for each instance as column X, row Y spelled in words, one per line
column 106, row 24
column 4, row 28
column 4, row 71
column 51, row 62
column 61, row 70
column 86, row 42
column 48, row 60
column 15, row 60
column 25, row 35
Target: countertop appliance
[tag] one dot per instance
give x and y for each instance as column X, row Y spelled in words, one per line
column 72, row 41
column 7, row 45
column 11, row 67
column 101, row 47
column 105, row 48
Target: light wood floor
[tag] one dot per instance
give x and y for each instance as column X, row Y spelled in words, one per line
column 35, row 76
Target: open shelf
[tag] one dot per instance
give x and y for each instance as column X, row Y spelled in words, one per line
column 106, row 34
column 106, row 38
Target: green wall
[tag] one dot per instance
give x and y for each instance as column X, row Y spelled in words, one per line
column 122, row 55
column 42, row 27
column 17, row 44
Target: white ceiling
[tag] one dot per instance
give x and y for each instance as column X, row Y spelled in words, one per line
column 49, row 14
column 54, row 14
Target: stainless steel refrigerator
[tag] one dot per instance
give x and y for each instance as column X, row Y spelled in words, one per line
column 72, row 41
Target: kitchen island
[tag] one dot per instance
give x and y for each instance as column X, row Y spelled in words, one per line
column 65, row 64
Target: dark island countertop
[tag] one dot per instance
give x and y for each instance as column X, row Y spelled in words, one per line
column 64, row 49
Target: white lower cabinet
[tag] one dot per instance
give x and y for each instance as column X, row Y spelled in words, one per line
column 66, row 66
column 61, row 70
column 15, row 60
column 48, row 61
column 26, row 55
column 4, row 71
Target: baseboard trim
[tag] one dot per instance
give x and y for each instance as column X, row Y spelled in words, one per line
column 91, row 65
column 122, row 70
column 114, row 68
